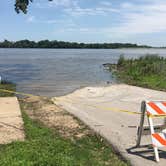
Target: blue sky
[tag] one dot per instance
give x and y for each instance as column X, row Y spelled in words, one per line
column 135, row 21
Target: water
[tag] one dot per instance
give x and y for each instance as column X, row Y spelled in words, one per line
column 55, row 72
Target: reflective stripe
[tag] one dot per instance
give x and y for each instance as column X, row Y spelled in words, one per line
column 164, row 103
column 150, row 110
column 156, row 108
column 161, row 106
column 159, row 139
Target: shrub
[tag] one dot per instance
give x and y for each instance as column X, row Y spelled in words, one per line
column 147, row 71
column 121, row 60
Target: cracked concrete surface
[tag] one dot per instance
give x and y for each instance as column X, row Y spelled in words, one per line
column 11, row 123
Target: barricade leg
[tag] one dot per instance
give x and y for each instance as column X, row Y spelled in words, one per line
column 152, row 132
column 140, row 129
column 156, row 154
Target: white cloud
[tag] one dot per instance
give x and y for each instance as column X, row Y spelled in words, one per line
column 61, row 23
column 64, row 3
column 140, row 19
column 78, row 11
column 57, row 3
column 133, row 18
column 126, row 5
column 105, row 3
column 72, row 7
column 41, row 5
column 31, row 19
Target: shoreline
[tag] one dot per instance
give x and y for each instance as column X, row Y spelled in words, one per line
column 83, row 103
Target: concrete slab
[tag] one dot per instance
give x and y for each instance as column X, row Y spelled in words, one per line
column 11, row 123
column 97, row 107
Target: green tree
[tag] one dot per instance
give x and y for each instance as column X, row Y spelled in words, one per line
column 62, row 44
column 22, row 5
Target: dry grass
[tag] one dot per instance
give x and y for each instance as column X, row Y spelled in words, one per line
column 42, row 109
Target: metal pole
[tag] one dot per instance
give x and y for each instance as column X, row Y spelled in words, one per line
column 140, row 129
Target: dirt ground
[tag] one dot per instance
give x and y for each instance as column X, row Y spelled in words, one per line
column 51, row 115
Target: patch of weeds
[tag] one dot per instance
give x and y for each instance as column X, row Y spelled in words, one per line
column 7, row 86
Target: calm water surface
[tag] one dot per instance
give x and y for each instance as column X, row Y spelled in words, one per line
column 55, row 72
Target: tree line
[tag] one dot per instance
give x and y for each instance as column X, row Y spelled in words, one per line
column 62, row 44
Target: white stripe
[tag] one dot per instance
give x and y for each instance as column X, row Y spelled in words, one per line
column 161, row 106
column 150, row 109
column 156, row 142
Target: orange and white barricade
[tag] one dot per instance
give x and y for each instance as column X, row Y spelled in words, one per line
column 153, row 109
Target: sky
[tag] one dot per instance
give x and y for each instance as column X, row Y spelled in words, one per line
column 122, row 21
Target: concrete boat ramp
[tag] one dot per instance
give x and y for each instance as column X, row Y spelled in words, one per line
column 11, row 123
column 99, row 108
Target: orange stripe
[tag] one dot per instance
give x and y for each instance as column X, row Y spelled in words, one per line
column 156, row 108
column 164, row 103
column 159, row 138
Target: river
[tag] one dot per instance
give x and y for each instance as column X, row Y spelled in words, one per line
column 56, row 72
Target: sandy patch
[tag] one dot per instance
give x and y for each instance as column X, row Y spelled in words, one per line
column 53, row 116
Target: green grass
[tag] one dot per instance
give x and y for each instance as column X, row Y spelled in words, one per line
column 9, row 86
column 44, row 147
column 147, row 71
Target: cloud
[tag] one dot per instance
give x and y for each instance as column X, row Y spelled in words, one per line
column 137, row 19
column 78, row 11
column 31, row 19
column 126, row 5
column 140, row 19
column 131, row 18
column 63, row 3
column 60, row 23
column 105, row 3
column 73, row 8
column 57, row 4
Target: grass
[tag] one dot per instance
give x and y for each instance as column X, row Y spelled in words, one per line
column 7, row 85
column 147, row 71
column 44, row 147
